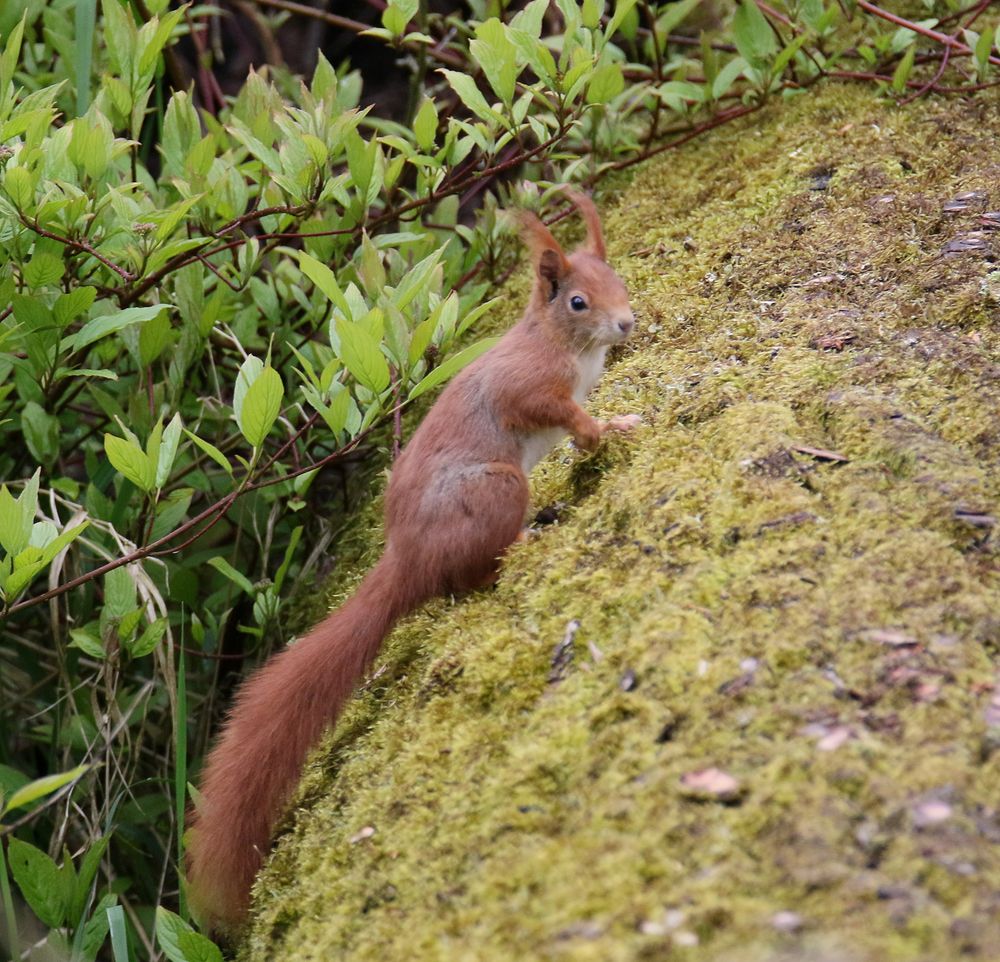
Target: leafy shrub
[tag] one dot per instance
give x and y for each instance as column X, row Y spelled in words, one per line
column 201, row 310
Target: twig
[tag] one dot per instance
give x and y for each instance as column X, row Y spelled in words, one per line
column 942, row 38
column 219, row 509
column 356, row 26
column 716, row 121
column 76, row 245
column 257, row 214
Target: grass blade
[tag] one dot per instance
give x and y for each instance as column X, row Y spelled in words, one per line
column 11, row 939
column 180, row 770
column 86, row 17
column 119, row 933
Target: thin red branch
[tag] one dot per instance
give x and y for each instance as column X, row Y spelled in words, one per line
column 356, row 26
column 76, row 245
column 716, row 121
column 767, row 9
column 936, row 35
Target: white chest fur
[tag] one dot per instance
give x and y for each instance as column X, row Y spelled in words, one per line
column 590, row 368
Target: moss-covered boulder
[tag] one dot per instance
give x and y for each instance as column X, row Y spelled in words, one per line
column 741, row 702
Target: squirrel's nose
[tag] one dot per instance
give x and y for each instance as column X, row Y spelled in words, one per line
column 625, row 325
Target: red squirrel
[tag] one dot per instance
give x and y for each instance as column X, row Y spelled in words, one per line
column 456, row 500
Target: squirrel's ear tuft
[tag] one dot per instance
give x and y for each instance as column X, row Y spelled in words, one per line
column 550, row 261
column 595, row 236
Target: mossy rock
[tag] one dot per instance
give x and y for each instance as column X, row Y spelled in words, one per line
column 789, row 576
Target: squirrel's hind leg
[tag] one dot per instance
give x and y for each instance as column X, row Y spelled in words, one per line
column 487, row 517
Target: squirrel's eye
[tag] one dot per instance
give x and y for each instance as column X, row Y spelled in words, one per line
column 577, row 303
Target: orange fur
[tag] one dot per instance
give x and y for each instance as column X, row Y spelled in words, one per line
column 456, row 500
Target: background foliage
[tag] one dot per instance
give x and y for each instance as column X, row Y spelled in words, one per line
column 214, row 307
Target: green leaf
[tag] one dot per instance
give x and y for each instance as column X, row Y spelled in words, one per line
column 983, row 46
column 789, row 51
column 168, row 220
column 212, row 451
column 119, row 933
column 469, row 94
column 238, row 578
column 106, row 324
column 41, row 432
column 154, row 336
column 17, row 515
column 11, row 54
column 535, row 54
column 89, row 865
column 425, row 124
column 293, row 542
column 398, row 14
column 87, row 643
column 102, row 372
column 622, row 9
column 727, row 76
column 606, row 83
column 674, row 15
column 148, row 640
column 261, row 406
column 43, row 269
column 902, row 72
column 361, row 159
column 20, row 187
column 85, row 22
column 497, row 56
column 529, row 20
column 249, row 372
column 415, row 280
column 95, row 930
column 41, row 883
column 453, row 365
column 56, row 545
column 10, row 781
column 266, row 155
column 119, row 593
column 180, row 942
column 71, row 305
column 168, row 450
column 130, row 460
column 120, row 37
column 753, row 35
column 149, row 52
column 25, row 571
column 335, row 413
column 476, row 313
column 371, row 270
column 325, row 280
column 14, row 533
column 41, row 787
column 91, row 144
column 362, row 356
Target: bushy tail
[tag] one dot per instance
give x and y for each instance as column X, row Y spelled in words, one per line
column 278, row 715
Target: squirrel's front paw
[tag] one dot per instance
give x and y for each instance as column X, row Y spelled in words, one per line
column 622, row 422
column 588, row 437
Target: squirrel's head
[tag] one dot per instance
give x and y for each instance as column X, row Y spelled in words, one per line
column 577, row 295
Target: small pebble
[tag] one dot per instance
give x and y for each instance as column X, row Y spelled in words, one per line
column 785, row 921
column 833, row 739
column 931, row 812
column 711, row 784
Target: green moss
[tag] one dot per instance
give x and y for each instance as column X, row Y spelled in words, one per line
column 823, row 630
